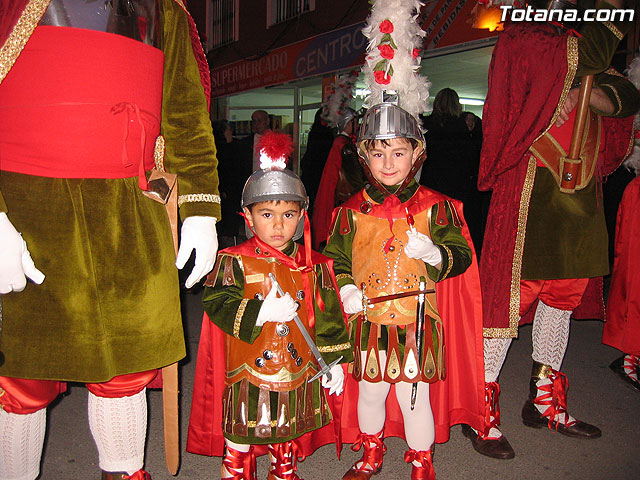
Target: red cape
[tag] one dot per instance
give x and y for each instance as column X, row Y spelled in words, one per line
column 205, row 424
column 460, row 397
column 622, row 329
column 524, row 91
column 325, row 198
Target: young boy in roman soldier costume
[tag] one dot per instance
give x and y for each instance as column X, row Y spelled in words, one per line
column 267, row 396
column 389, row 242
column 86, row 91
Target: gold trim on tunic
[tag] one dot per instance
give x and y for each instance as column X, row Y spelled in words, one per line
column 334, row 348
column 158, row 153
column 615, row 93
column 281, row 376
column 238, row 319
column 20, row 34
column 198, row 197
column 274, row 423
column 615, row 30
column 343, row 275
column 450, row 257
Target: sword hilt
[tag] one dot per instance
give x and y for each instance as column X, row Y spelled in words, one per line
column 325, row 370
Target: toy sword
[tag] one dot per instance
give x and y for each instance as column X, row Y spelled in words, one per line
column 324, row 368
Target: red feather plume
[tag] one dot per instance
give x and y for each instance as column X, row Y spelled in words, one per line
column 276, row 145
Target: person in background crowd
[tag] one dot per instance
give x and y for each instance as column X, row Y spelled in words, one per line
column 319, row 142
column 452, row 160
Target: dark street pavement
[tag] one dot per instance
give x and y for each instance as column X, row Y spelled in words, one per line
column 595, row 395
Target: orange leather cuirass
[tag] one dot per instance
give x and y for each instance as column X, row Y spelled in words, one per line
column 386, row 273
column 279, row 359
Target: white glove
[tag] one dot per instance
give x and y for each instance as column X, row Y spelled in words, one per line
column 351, row 298
column 15, row 260
column 198, row 233
column 276, row 309
column 336, row 384
column 422, row 248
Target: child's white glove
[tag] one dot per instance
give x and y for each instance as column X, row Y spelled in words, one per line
column 422, row 248
column 336, row 384
column 351, row 298
column 16, row 263
column 276, row 309
column 198, row 233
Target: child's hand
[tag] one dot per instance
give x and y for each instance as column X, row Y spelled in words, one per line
column 336, row 384
column 276, row 309
column 351, row 299
column 422, row 248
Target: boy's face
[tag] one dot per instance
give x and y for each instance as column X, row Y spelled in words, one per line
column 390, row 164
column 274, row 222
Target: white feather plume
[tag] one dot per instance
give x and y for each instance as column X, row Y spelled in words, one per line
column 339, row 98
column 401, row 71
column 632, row 162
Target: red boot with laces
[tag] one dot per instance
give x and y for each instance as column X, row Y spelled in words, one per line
column 237, row 465
column 284, row 457
column 371, row 461
column 424, row 471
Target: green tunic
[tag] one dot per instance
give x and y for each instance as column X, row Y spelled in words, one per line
column 566, row 234
column 110, row 302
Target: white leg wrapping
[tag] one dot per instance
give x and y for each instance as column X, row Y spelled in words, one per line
column 21, row 441
column 550, row 335
column 495, row 353
column 419, row 428
column 119, row 428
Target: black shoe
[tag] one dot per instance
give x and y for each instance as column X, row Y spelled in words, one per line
column 532, row 417
column 618, row 367
column 494, row 448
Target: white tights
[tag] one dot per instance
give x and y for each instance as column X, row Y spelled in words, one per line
column 418, row 423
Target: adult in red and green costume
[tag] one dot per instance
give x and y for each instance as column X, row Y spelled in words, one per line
column 543, row 245
column 90, row 100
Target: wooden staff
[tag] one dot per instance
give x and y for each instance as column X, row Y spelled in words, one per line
column 572, row 163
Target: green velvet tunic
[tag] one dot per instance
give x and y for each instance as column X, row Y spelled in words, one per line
column 110, row 302
column 566, row 234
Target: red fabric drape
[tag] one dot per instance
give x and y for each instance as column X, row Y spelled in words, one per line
column 622, row 329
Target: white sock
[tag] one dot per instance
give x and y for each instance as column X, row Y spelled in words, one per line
column 550, row 335
column 21, row 441
column 495, row 353
column 119, row 428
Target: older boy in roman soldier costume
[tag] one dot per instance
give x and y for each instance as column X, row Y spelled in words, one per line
column 257, row 385
column 89, row 94
column 407, row 250
column 546, row 234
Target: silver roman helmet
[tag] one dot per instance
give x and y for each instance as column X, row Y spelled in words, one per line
column 385, row 121
column 274, row 181
column 347, row 115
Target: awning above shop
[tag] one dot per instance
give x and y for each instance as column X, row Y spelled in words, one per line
column 447, row 23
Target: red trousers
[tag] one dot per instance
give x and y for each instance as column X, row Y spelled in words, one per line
column 19, row 395
column 563, row 294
